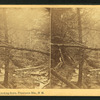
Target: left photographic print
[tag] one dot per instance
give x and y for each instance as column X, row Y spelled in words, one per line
column 25, row 48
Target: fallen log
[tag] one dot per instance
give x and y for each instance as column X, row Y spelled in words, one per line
column 71, row 85
column 76, row 46
column 61, row 56
column 31, row 68
column 24, row 49
column 59, row 65
column 2, row 87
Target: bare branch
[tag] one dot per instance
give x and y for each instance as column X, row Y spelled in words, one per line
column 76, row 46
column 25, row 49
column 91, row 29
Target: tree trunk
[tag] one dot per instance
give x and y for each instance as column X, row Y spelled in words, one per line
column 6, row 69
column 81, row 61
column 6, row 50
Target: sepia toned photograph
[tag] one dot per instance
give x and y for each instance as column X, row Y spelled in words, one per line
column 24, row 48
column 75, row 48
column 50, row 50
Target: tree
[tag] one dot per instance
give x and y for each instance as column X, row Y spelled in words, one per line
column 7, row 51
column 73, row 35
column 25, row 40
column 81, row 60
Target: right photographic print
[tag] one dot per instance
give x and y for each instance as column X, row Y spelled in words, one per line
column 75, row 48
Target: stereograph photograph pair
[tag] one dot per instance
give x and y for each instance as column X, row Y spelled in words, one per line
column 54, row 48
